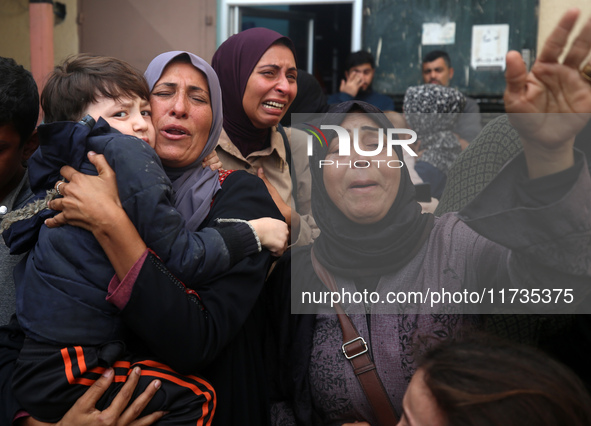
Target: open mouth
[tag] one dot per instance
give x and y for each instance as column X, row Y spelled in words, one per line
column 273, row 105
column 362, row 185
column 175, row 131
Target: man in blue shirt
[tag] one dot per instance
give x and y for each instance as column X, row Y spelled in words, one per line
column 360, row 69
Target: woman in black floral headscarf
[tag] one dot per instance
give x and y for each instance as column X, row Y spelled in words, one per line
column 432, row 110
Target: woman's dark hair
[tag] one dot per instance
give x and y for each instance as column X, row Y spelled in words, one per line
column 81, row 78
column 484, row 381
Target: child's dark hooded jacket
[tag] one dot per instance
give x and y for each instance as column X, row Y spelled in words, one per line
column 61, row 288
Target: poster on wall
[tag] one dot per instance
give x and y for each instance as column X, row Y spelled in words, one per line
column 435, row 33
column 490, row 44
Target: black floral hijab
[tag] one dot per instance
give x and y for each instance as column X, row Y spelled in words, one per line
column 351, row 249
column 432, row 111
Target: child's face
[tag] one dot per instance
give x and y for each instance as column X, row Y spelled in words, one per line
column 131, row 116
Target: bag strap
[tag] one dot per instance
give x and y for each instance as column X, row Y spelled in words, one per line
column 288, row 159
column 356, row 351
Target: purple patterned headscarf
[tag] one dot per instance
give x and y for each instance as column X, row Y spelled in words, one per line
column 195, row 186
column 234, row 61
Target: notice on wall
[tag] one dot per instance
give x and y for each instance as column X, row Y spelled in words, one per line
column 435, row 33
column 490, row 44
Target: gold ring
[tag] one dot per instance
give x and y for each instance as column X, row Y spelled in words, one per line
column 57, row 187
column 586, row 72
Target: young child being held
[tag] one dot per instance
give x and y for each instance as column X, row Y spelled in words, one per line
column 100, row 104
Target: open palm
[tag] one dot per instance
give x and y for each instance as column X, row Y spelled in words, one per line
column 554, row 95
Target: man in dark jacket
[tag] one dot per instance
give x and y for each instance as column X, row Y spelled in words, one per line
column 360, row 69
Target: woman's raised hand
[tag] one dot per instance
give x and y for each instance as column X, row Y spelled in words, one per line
column 551, row 86
column 555, row 96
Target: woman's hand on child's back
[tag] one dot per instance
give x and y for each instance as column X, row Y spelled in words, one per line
column 84, row 411
column 89, row 202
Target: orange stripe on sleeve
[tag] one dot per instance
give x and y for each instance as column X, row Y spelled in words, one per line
column 68, row 365
column 81, row 361
column 154, row 364
column 97, row 370
column 69, row 369
column 161, row 366
column 170, row 375
column 208, row 396
column 122, row 364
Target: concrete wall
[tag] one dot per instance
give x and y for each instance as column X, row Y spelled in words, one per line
column 14, row 31
column 65, row 35
column 133, row 30
column 138, row 30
